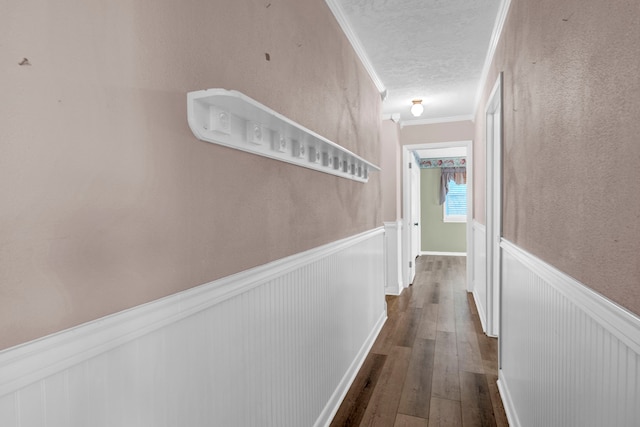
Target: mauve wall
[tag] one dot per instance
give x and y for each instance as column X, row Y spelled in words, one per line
column 480, row 164
column 571, row 139
column 390, row 176
column 109, row 201
column 437, row 132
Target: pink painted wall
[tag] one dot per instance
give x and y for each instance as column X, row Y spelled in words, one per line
column 479, row 166
column 437, row 132
column 391, row 174
column 571, row 150
column 109, row 201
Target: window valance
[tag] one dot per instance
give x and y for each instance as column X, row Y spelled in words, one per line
column 457, row 175
column 445, row 162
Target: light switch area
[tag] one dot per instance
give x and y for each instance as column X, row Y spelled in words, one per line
column 232, row 119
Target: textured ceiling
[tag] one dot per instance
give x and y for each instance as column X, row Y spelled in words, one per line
column 429, row 49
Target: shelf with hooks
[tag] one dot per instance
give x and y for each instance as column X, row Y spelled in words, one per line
column 232, row 119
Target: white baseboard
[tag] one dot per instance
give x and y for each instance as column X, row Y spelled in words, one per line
column 443, row 253
column 395, row 291
column 480, row 306
column 262, row 336
column 349, row 377
column 507, row 403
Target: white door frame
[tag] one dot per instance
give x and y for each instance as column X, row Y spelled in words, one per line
column 406, row 204
column 408, row 263
column 493, row 206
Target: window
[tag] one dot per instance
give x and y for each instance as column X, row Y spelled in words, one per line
column 455, row 205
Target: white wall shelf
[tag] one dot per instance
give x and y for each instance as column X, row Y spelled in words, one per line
column 232, row 119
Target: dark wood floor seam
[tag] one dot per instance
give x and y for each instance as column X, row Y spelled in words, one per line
column 431, row 364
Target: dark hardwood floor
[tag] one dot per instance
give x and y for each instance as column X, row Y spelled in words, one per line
column 431, row 365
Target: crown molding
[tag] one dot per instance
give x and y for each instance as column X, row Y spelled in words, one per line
column 338, row 13
column 493, row 44
column 437, row 120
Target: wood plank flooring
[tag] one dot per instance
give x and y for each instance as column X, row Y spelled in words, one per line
column 431, row 365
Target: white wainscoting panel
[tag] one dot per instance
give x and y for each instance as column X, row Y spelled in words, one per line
column 569, row 356
column 479, row 289
column 393, row 257
column 277, row 345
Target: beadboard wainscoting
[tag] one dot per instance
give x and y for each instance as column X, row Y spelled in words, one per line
column 277, row 345
column 393, row 257
column 569, row 356
column 479, row 286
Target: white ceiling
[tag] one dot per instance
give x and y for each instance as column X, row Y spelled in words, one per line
column 434, row 50
column 434, row 153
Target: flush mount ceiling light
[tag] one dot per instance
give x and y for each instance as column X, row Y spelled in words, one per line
column 417, row 108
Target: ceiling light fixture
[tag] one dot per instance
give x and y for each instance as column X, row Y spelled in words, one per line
column 417, row 108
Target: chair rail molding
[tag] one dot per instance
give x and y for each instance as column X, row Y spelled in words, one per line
column 197, row 357
column 232, row 119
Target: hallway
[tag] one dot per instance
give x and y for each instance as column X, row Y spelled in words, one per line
column 431, row 364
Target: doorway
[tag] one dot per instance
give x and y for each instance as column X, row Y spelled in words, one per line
column 411, row 198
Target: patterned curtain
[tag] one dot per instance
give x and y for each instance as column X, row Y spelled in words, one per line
column 457, row 175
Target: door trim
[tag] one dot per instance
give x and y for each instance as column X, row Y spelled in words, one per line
column 408, row 270
column 493, row 205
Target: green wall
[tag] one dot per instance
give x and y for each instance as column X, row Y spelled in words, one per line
column 438, row 236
